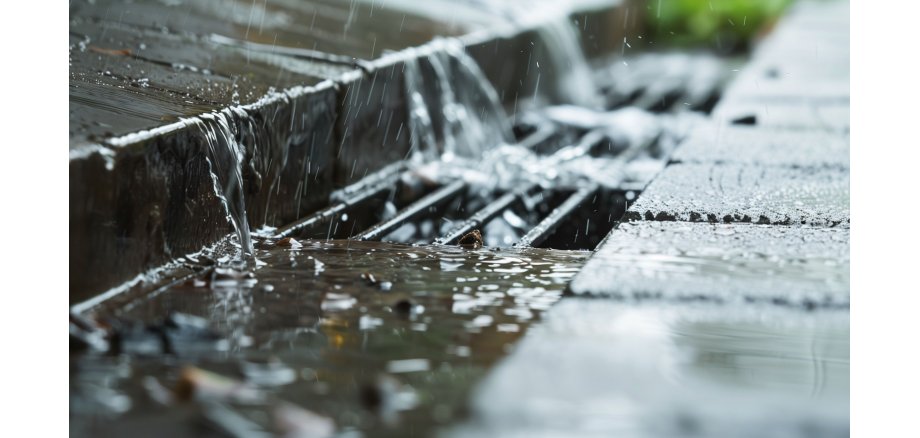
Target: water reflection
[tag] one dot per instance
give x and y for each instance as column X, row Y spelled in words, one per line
column 609, row 368
column 349, row 331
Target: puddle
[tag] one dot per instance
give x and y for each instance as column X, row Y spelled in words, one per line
column 617, row 369
column 370, row 336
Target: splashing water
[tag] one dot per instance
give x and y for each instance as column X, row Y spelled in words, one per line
column 421, row 131
column 466, row 133
column 574, row 82
column 470, row 115
column 490, row 125
column 557, row 43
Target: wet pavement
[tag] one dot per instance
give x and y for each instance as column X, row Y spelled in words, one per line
column 720, row 307
column 609, row 368
column 140, row 65
column 834, row 117
column 382, row 339
column 804, row 267
column 776, row 147
column 721, row 328
column 755, row 194
column 799, row 77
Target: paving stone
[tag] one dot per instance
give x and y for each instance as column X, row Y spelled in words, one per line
column 829, row 15
column 675, row 261
column 785, row 114
column 742, row 193
column 805, row 54
column 605, row 368
column 713, row 143
column 799, row 77
column 788, row 72
column 804, row 49
column 811, row 24
column 777, row 83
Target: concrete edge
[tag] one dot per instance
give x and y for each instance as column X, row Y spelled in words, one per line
column 116, row 234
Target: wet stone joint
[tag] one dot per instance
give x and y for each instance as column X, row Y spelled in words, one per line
column 458, row 218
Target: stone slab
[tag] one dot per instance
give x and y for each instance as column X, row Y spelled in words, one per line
column 674, row 261
column 598, row 368
column 800, row 115
column 741, row 193
column 351, row 30
column 799, row 77
column 713, row 143
column 776, row 83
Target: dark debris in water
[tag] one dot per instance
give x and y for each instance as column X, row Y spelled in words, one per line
column 176, row 334
column 471, row 240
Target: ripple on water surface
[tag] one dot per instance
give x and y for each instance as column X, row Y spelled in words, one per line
column 370, row 335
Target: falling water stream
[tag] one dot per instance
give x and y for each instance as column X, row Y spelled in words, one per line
column 225, row 158
column 574, row 80
column 472, row 119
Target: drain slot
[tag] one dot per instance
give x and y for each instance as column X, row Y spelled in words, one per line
column 548, row 225
column 397, row 205
column 588, row 222
column 360, row 205
column 481, row 217
column 329, row 215
column 425, row 206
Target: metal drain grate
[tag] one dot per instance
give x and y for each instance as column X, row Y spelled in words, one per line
column 398, row 205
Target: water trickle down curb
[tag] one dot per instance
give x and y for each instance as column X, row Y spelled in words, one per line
column 225, row 158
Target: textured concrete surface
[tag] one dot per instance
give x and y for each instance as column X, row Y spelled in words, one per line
column 598, row 368
column 739, row 193
column 714, row 143
column 796, row 266
column 799, row 76
column 806, row 58
column 142, row 64
column 788, row 70
column 833, row 117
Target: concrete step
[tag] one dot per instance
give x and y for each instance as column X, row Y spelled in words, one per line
column 316, row 104
column 805, row 267
column 740, row 193
column 748, row 145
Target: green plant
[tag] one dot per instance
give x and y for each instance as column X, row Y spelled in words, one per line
column 728, row 25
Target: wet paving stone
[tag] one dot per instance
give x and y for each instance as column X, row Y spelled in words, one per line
column 774, row 84
column 785, row 114
column 739, row 193
column 804, row 62
column 801, row 267
column 813, row 74
column 609, row 368
column 714, row 143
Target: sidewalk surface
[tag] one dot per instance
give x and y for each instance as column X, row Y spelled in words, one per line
column 721, row 308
